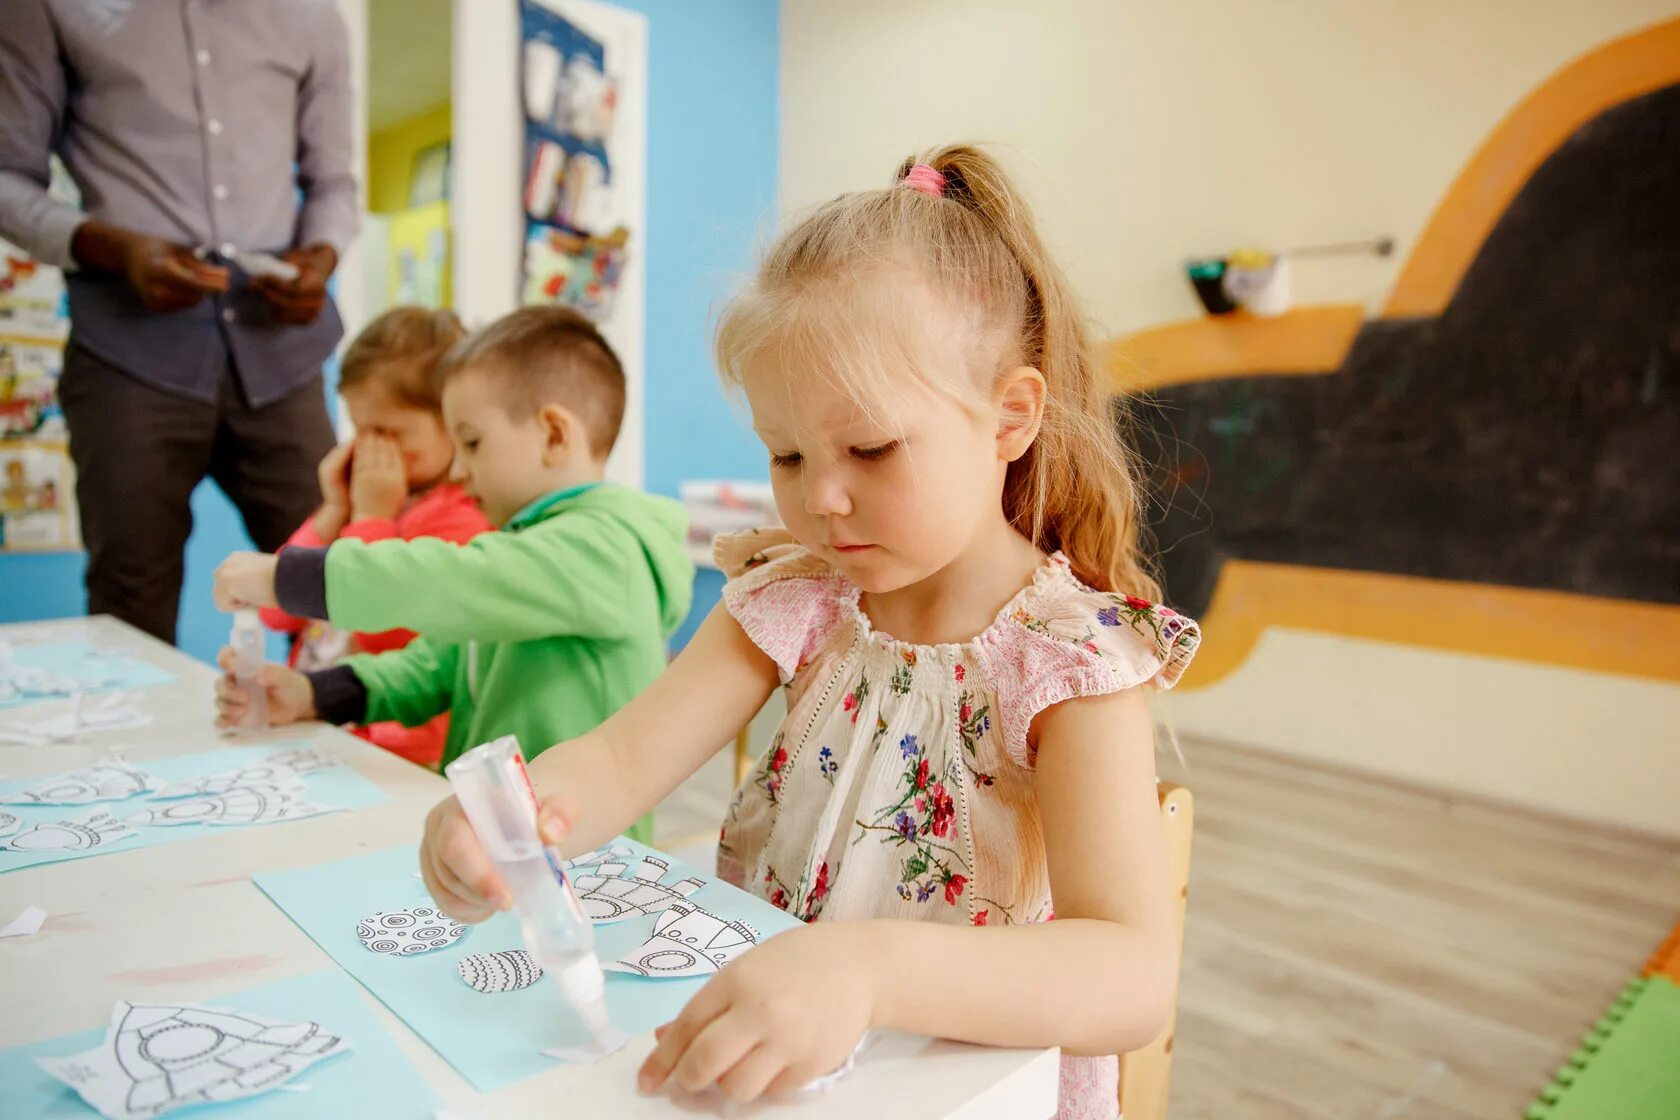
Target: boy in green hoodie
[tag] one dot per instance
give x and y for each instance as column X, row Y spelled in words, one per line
column 542, row 630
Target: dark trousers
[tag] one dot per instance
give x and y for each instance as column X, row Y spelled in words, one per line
column 140, row 451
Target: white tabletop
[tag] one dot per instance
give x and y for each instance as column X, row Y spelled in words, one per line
column 184, row 921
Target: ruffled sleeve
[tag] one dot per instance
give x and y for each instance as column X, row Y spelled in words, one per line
column 1066, row 640
column 787, row 600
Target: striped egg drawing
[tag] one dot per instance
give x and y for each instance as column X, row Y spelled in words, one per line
column 507, row 971
column 403, row 933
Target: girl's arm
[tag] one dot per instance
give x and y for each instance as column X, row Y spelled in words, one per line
column 1097, row 980
column 595, row 786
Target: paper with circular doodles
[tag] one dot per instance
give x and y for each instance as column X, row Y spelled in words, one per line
column 406, row 933
column 687, row 941
column 9, row 823
column 80, row 834
column 156, row 1058
column 278, row 769
column 506, row 971
column 241, row 805
column 112, row 780
column 611, row 890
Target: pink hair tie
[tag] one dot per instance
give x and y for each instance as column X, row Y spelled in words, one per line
column 925, row 179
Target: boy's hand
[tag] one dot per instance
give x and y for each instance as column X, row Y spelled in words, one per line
column 751, row 1029
column 378, row 484
column 245, row 580
column 290, row 696
column 461, row 877
column 334, row 475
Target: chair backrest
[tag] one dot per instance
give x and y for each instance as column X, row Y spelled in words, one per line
column 1144, row 1074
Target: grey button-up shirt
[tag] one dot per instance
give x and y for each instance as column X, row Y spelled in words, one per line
column 222, row 124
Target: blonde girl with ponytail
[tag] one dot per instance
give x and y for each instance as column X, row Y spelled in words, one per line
column 967, row 634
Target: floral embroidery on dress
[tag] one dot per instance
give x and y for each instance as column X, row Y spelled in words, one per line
column 826, row 764
column 972, row 723
column 775, row 762
column 921, row 822
column 904, row 675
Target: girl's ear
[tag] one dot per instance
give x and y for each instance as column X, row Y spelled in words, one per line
column 1020, row 411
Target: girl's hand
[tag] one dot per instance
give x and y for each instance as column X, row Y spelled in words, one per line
column 461, row 877
column 334, row 475
column 775, row 1020
column 378, row 483
column 290, row 696
column 245, row 580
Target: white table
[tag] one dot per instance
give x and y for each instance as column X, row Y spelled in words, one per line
column 184, row 921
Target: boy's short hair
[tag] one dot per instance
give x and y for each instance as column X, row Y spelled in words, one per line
column 547, row 355
column 399, row 350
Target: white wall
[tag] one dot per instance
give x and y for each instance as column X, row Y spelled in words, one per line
column 1149, row 131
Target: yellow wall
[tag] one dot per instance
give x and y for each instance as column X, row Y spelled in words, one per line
column 391, row 153
column 1149, row 131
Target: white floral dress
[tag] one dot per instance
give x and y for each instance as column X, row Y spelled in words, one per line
column 901, row 782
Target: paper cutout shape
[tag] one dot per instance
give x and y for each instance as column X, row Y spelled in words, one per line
column 593, row 1050
column 610, row 891
column 108, row 714
column 281, row 768
column 252, row 804
column 9, row 823
column 25, row 924
column 687, row 941
column 160, row 1057
column 507, row 971
column 95, row 830
column 403, row 933
column 104, row 781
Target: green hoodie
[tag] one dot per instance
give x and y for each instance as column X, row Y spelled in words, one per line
column 542, row 630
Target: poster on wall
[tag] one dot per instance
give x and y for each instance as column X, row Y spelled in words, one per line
column 579, row 231
column 37, row 510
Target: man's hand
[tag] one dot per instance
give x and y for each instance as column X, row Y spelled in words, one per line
column 299, row 301
column 165, row 275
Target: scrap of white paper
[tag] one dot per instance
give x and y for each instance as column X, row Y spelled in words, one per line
column 112, row 780
column 159, row 1057
column 592, row 1051
column 90, row 718
column 27, row 923
column 95, row 830
column 687, row 941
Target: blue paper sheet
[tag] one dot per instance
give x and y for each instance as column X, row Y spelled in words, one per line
column 496, row 1039
column 372, row 1079
column 95, row 670
column 339, row 787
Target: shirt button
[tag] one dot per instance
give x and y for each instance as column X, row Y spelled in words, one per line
column 220, row 192
column 215, row 127
column 228, row 315
column 203, row 58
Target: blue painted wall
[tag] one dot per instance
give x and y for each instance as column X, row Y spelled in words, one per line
column 712, row 150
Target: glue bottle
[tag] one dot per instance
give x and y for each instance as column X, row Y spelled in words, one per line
column 495, row 792
column 247, row 641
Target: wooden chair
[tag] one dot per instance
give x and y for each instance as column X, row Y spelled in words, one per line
column 1144, row 1074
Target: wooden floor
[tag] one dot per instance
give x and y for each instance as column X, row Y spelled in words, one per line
column 1355, row 951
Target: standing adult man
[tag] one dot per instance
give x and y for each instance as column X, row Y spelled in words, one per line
column 197, row 131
